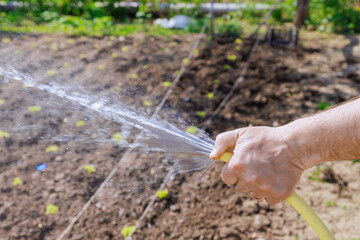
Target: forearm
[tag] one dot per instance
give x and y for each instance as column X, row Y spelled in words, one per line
column 328, row 136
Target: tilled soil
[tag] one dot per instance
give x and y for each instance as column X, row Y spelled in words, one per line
column 280, row 86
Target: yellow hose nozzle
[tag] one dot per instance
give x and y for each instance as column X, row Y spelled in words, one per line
column 302, row 208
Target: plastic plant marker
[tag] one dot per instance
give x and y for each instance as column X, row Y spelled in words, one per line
column 70, row 41
column 2, row 101
column 35, row 108
column 114, row 55
column 238, row 41
column 52, row 148
column 124, row 49
column 210, row 95
column 51, row 209
column 127, row 231
column 145, row 67
column 191, row 130
column 117, row 137
column 5, row 40
column 227, row 67
column 80, row 123
column 17, row 182
column 101, row 67
column 134, row 76
column 196, row 51
column 51, row 72
column 41, row 167
column 185, row 60
column 162, row 193
column 237, row 48
column 53, row 47
column 201, row 114
column 216, row 81
column 4, row 134
column 89, row 168
column 66, row 64
column 147, row 103
column 231, row 57
column 166, row 84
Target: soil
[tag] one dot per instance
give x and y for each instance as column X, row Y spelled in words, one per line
column 280, row 86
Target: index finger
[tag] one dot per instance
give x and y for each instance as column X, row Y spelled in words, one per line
column 225, row 141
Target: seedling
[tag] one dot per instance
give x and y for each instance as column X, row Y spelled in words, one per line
column 162, row 193
column 124, row 49
column 196, row 51
column 89, row 168
column 4, row 134
column 191, row 130
column 227, row 67
column 80, row 123
column 51, row 209
column 315, row 175
column 51, row 72
column 127, row 231
column 167, row 84
column 145, row 67
column 109, row 43
column 47, row 39
column 117, row 137
column 232, row 57
column 41, row 167
column 324, row 105
column 66, row 64
column 2, row 101
column 238, row 41
column 173, row 44
column 163, row 49
column 331, row 203
column 201, row 114
column 17, row 52
column 209, row 38
column 355, row 161
column 6, row 40
column 17, row 181
column 24, row 86
column 114, row 55
column 210, row 95
column 82, row 56
column 101, row 67
column 34, row 45
column 237, row 48
column 53, row 47
column 134, row 76
column 177, row 72
column 344, row 207
column 52, row 148
column 35, row 108
column 96, row 46
column 117, row 88
column 185, row 60
column 216, row 81
column 70, row 41
column 147, row 103
column 135, row 44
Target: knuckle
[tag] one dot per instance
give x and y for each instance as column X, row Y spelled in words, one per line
column 220, row 137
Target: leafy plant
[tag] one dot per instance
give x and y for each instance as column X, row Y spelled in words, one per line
column 231, row 57
column 5, row 40
column 185, row 61
column 80, row 123
column 51, row 72
column 134, row 76
column 216, row 81
column 51, row 209
column 89, row 168
column 124, row 49
column 210, row 95
column 114, row 55
column 191, row 130
column 2, row 101
column 166, row 84
column 145, row 66
column 227, row 67
column 17, row 182
column 324, row 105
column 127, row 231
column 4, row 134
column 147, row 103
column 52, row 148
column 101, row 67
column 70, row 41
column 117, row 137
column 162, row 193
column 201, row 114
column 66, row 64
column 331, row 203
column 355, row 161
column 35, row 109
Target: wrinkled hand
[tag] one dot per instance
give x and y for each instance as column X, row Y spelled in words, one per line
column 262, row 163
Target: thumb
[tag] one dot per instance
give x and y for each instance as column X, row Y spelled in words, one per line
column 225, row 141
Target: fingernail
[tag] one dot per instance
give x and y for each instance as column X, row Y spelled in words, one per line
column 228, row 185
column 212, row 154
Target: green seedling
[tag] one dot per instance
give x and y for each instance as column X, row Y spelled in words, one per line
column 145, row 67
column 2, row 101
column 34, row 45
column 35, row 109
column 24, row 86
column 315, row 176
column 177, row 72
column 80, row 123
column 331, row 203
column 109, row 43
column 66, row 64
column 6, row 40
column 210, row 95
column 166, row 84
column 238, row 41
column 17, row 182
column 191, row 129
column 52, row 148
column 185, row 60
column 127, row 231
column 48, row 39
column 227, row 67
column 89, row 168
column 134, row 76
column 231, row 57
column 4, row 134
column 53, row 47
column 355, row 161
column 124, row 49
column 344, row 207
column 173, row 44
column 163, row 49
column 237, row 48
column 162, row 193
column 96, row 46
column 135, row 44
column 216, row 81
column 101, row 67
column 117, row 88
column 82, row 56
column 114, row 55
column 70, row 41
column 147, row 103
column 196, row 51
column 51, row 72
column 17, row 52
column 209, row 38
column 51, row 209
column 117, row 137
column 201, row 114
column 324, row 105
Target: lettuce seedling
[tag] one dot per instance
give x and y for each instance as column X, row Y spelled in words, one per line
column 35, row 108
column 51, row 72
column 238, row 41
column 147, row 103
column 237, row 48
column 191, row 129
column 134, row 76
column 145, row 67
column 2, row 101
column 124, row 49
column 114, row 55
column 96, row 46
column 127, row 231
column 324, row 105
column 355, row 161
column 185, row 60
column 210, row 95
column 48, row 39
column 216, row 81
column 201, row 114
column 173, row 44
column 227, row 67
column 4, row 134
column 196, row 51
column 331, row 203
column 34, row 45
column 177, row 72
column 6, row 40
column 53, row 47
column 70, row 41
column 66, row 64
column 80, row 123
column 52, row 148
column 17, row 182
column 89, row 168
column 117, row 137
column 82, row 56
column 162, row 193
column 231, row 57
column 101, row 67
column 166, row 84
column 51, row 209
column 117, row 88
column 24, row 86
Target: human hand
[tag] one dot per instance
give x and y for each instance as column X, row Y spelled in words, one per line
column 262, row 164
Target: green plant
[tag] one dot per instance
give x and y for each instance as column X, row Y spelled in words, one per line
column 51, row 209
column 4, row 134
column 147, row 103
column 216, row 81
column 35, row 108
column 117, row 137
column 227, row 67
column 127, row 231
column 2, row 101
column 210, row 95
column 89, row 168
column 201, row 114
column 52, row 148
column 51, row 72
column 17, row 181
column 166, row 84
column 162, row 193
column 331, row 203
column 231, row 57
column 191, row 130
column 324, row 105
column 80, row 123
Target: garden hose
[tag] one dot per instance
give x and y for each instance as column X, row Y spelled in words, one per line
column 302, row 208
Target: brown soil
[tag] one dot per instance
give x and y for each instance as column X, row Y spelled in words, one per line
column 280, row 85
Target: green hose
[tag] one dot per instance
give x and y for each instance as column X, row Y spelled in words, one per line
column 302, row 208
